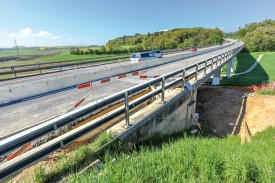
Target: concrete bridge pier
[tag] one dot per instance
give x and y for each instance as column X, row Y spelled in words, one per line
column 230, row 67
column 217, row 78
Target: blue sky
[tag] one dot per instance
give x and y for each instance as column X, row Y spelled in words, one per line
column 70, row 22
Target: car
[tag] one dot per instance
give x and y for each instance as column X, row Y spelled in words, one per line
column 140, row 57
column 157, row 53
column 193, row 48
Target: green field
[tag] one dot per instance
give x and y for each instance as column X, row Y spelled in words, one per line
column 191, row 159
column 32, row 56
column 27, row 51
column 265, row 71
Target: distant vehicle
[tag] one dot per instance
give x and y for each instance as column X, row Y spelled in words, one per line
column 157, row 53
column 193, row 48
column 140, row 57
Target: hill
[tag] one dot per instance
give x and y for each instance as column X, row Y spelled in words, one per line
column 258, row 36
column 176, row 38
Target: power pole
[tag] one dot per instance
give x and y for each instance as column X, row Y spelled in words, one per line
column 16, row 47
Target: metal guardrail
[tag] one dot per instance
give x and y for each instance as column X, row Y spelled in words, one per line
column 41, row 130
column 77, row 63
column 57, row 66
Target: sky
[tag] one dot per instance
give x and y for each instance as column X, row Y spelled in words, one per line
column 94, row 22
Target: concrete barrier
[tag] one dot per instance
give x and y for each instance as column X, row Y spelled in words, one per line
column 20, row 92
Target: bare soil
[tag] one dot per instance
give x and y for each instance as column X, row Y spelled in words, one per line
column 224, row 110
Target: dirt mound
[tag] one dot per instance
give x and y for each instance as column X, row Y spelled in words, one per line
column 224, row 110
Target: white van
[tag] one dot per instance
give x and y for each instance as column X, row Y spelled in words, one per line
column 157, row 53
column 140, row 57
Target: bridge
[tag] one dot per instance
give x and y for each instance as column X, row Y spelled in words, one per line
column 137, row 101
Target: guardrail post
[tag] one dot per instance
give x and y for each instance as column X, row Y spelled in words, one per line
column 39, row 69
column 197, row 69
column 77, row 64
column 163, row 90
column 127, row 117
column 183, row 78
column 59, row 66
column 205, row 66
column 212, row 62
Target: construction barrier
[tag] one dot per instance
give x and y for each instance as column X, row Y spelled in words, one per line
column 18, row 152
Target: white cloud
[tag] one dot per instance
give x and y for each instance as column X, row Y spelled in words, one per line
column 26, row 32
column 43, row 34
column 22, row 33
column 163, row 30
column 70, row 39
column 221, row 28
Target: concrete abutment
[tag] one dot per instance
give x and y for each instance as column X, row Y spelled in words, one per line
column 173, row 117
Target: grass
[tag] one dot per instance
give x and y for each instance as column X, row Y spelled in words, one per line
column 266, row 92
column 265, row 71
column 74, row 162
column 26, row 51
column 191, row 159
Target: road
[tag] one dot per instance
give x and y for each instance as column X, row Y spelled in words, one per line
column 27, row 113
column 72, row 71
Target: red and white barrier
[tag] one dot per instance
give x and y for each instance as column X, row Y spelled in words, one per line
column 84, row 85
column 18, row 152
column 144, row 77
column 79, row 87
column 122, row 76
column 135, row 73
column 105, row 80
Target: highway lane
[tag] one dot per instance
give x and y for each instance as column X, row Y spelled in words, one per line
column 21, row 115
column 73, row 71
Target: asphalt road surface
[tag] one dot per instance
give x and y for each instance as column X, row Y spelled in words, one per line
column 21, row 115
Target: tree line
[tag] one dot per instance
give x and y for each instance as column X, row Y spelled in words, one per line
column 257, row 36
column 176, row 38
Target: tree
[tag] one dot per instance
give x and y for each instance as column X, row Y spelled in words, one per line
column 77, row 52
column 97, row 52
column 102, row 49
column 90, row 51
column 72, row 51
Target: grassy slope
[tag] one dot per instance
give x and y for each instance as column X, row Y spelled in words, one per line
column 71, row 162
column 192, row 160
column 264, row 71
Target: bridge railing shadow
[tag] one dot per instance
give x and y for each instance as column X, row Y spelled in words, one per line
column 257, row 76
